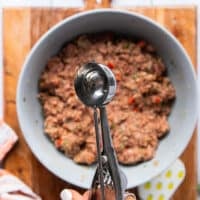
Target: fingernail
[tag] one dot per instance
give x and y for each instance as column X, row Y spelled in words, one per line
column 66, row 195
column 129, row 196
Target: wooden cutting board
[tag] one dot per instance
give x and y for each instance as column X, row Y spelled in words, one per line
column 22, row 27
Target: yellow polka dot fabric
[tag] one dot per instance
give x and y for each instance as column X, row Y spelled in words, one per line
column 163, row 186
column 159, row 185
column 171, row 186
column 168, row 174
column 150, row 197
column 181, row 174
column 147, row 185
column 161, row 197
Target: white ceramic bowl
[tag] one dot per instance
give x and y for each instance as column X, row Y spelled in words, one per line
column 182, row 119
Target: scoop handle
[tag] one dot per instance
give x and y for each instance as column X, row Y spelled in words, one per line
column 100, row 167
column 108, row 150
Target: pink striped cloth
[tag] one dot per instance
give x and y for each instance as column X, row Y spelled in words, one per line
column 7, row 139
column 11, row 188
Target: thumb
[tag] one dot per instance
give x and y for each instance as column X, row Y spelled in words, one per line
column 68, row 194
column 86, row 195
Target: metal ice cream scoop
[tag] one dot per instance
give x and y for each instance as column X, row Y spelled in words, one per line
column 95, row 86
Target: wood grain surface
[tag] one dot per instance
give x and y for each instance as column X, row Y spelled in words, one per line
column 22, row 27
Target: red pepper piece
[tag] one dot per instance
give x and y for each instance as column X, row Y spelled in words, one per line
column 110, row 65
column 131, row 100
column 58, row 143
column 157, row 99
column 118, row 76
column 141, row 44
column 135, row 109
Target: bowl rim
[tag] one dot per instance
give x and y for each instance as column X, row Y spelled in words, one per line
column 93, row 12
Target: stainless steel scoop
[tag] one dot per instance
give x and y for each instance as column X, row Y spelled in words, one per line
column 95, row 86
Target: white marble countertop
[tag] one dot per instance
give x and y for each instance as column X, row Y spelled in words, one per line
column 78, row 3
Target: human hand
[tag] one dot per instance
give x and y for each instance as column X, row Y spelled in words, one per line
column 69, row 194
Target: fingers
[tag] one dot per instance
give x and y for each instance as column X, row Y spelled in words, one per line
column 3, row 172
column 86, row 195
column 129, row 196
column 109, row 194
column 68, row 194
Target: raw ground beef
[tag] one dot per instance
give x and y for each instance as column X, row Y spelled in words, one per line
column 137, row 114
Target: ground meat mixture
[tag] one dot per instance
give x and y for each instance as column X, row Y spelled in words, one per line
column 137, row 114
